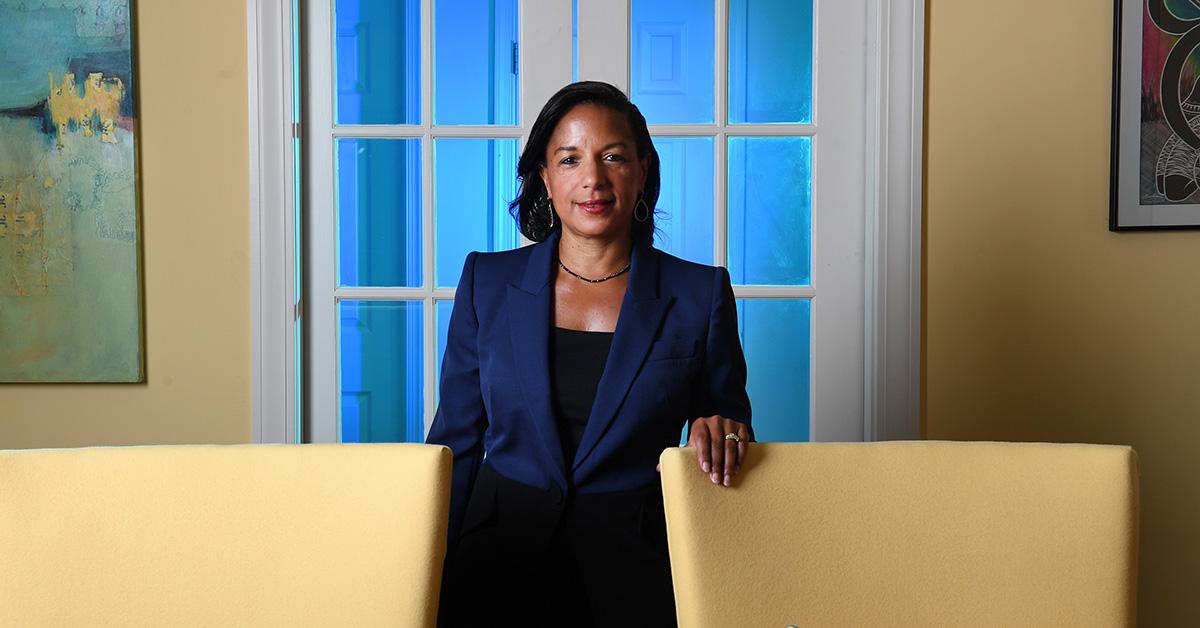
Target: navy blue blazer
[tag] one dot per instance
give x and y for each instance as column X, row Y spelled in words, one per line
column 675, row 356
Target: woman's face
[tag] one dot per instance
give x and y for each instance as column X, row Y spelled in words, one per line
column 592, row 172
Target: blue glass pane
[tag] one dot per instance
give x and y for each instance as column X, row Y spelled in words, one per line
column 474, row 180
column 671, row 60
column 685, row 205
column 475, row 62
column 770, row 61
column 444, row 308
column 775, row 336
column 379, row 212
column 377, row 65
column 770, row 210
column 381, row 383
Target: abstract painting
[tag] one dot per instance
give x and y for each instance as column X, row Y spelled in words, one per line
column 1156, row 116
column 70, row 297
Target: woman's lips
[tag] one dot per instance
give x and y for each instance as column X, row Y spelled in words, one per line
column 595, row 207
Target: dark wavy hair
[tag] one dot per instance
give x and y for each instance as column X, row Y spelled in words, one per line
column 535, row 224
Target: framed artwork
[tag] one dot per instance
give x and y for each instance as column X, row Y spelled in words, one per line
column 1155, row 182
column 70, row 293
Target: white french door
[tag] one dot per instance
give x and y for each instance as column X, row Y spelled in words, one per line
column 416, row 110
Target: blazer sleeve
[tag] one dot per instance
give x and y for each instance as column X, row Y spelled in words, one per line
column 461, row 419
column 721, row 385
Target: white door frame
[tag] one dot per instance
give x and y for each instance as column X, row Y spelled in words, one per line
column 895, row 153
column 273, row 300
column 894, row 48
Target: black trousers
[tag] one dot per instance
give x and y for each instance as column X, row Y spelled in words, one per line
column 529, row 557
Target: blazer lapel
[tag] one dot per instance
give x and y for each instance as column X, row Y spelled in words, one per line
column 529, row 325
column 637, row 324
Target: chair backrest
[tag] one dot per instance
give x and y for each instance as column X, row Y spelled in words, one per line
column 906, row 534
column 245, row 535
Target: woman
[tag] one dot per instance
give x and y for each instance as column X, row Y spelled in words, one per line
column 569, row 366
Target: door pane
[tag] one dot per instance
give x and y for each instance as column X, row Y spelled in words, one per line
column 684, row 216
column 474, row 180
column 379, row 212
column 671, row 60
column 377, row 68
column 770, row 210
column 574, row 41
column 381, row 372
column 770, row 61
column 475, row 62
column 775, row 337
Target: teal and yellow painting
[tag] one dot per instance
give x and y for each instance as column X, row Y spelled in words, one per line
column 70, row 304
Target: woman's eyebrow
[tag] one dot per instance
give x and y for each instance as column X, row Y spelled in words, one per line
column 606, row 147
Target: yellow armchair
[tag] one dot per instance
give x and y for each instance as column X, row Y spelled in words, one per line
column 253, row 535
column 906, row 534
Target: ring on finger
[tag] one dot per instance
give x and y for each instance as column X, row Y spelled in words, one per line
column 733, row 437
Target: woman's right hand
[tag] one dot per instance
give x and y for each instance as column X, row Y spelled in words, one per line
column 718, row 455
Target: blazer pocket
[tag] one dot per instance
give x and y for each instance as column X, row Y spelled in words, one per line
column 481, row 506
column 672, row 349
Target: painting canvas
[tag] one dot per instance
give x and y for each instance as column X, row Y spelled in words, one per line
column 1156, row 114
column 70, row 304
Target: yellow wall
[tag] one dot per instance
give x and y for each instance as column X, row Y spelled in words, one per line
column 195, row 225
column 1041, row 325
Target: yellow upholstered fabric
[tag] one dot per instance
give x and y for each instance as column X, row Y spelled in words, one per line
column 906, row 534
column 248, row 535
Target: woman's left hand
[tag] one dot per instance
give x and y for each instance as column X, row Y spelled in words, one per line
column 720, row 456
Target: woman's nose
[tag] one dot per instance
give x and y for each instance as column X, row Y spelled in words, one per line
column 593, row 174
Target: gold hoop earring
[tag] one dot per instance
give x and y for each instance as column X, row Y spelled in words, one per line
column 642, row 205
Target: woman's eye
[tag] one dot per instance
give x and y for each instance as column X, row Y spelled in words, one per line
column 568, row 161
column 614, row 157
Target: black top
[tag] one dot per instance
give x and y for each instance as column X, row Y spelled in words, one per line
column 577, row 361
